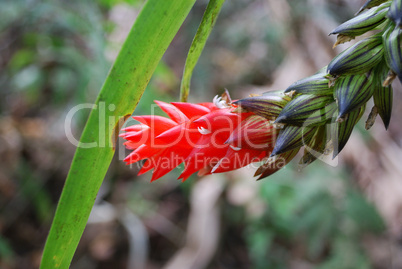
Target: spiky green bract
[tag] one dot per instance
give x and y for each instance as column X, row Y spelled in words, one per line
column 315, row 147
column 359, row 58
column 352, row 92
column 315, row 84
column 274, row 164
column 363, row 22
column 307, row 109
column 341, row 131
column 268, row 105
column 382, row 95
column 392, row 40
column 292, row 137
column 395, row 12
column 370, row 4
column 383, row 102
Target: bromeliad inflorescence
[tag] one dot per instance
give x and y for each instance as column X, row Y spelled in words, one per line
column 317, row 113
column 207, row 137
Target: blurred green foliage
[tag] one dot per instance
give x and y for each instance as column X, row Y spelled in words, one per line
column 49, row 49
column 317, row 215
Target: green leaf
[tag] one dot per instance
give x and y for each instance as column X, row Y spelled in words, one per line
column 145, row 45
column 198, row 44
column 392, row 40
column 307, row 109
column 316, row 84
column 341, row 131
column 352, row 92
column 363, row 213
column 359, row 58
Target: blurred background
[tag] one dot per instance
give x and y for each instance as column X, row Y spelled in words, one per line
column 56, row 54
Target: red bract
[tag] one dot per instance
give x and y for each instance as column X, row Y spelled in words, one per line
column 207, row 137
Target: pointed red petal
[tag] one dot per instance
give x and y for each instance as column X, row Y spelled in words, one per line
column 173, row 112
column 131, row 145
column 235, row 159
column 148, row 165
column 172, row 136
column 135, row 128
column 209, row 105
column 219, row 119
column 168, row 161
column 138, row 138
column 203, row 155
column 192, row 111
column 158, row 124
column 165, row 161
column 141, row 153
column 178, row 136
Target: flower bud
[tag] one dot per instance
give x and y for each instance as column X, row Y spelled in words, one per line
column 359, row 58
column 255, row 132
column 341, row 131
column 383, row 102
column 382, row 95
column 392, row 40
column 315, row 147
column 291, row 137
column 268, row 105
column 352, row 92
column 360, row 24
column 315, row 84
column 370, row 4
column 395, row 12
column 307, row 109
column 275, row 163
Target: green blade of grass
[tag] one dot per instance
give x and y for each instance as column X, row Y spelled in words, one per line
column 198, row 44
column 145, row 45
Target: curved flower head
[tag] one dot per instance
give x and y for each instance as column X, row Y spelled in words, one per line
column 206, row 137
column 318, row 112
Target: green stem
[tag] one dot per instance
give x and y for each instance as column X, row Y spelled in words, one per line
column 198, row 44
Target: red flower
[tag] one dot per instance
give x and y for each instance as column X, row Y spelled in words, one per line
column 207, row 137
